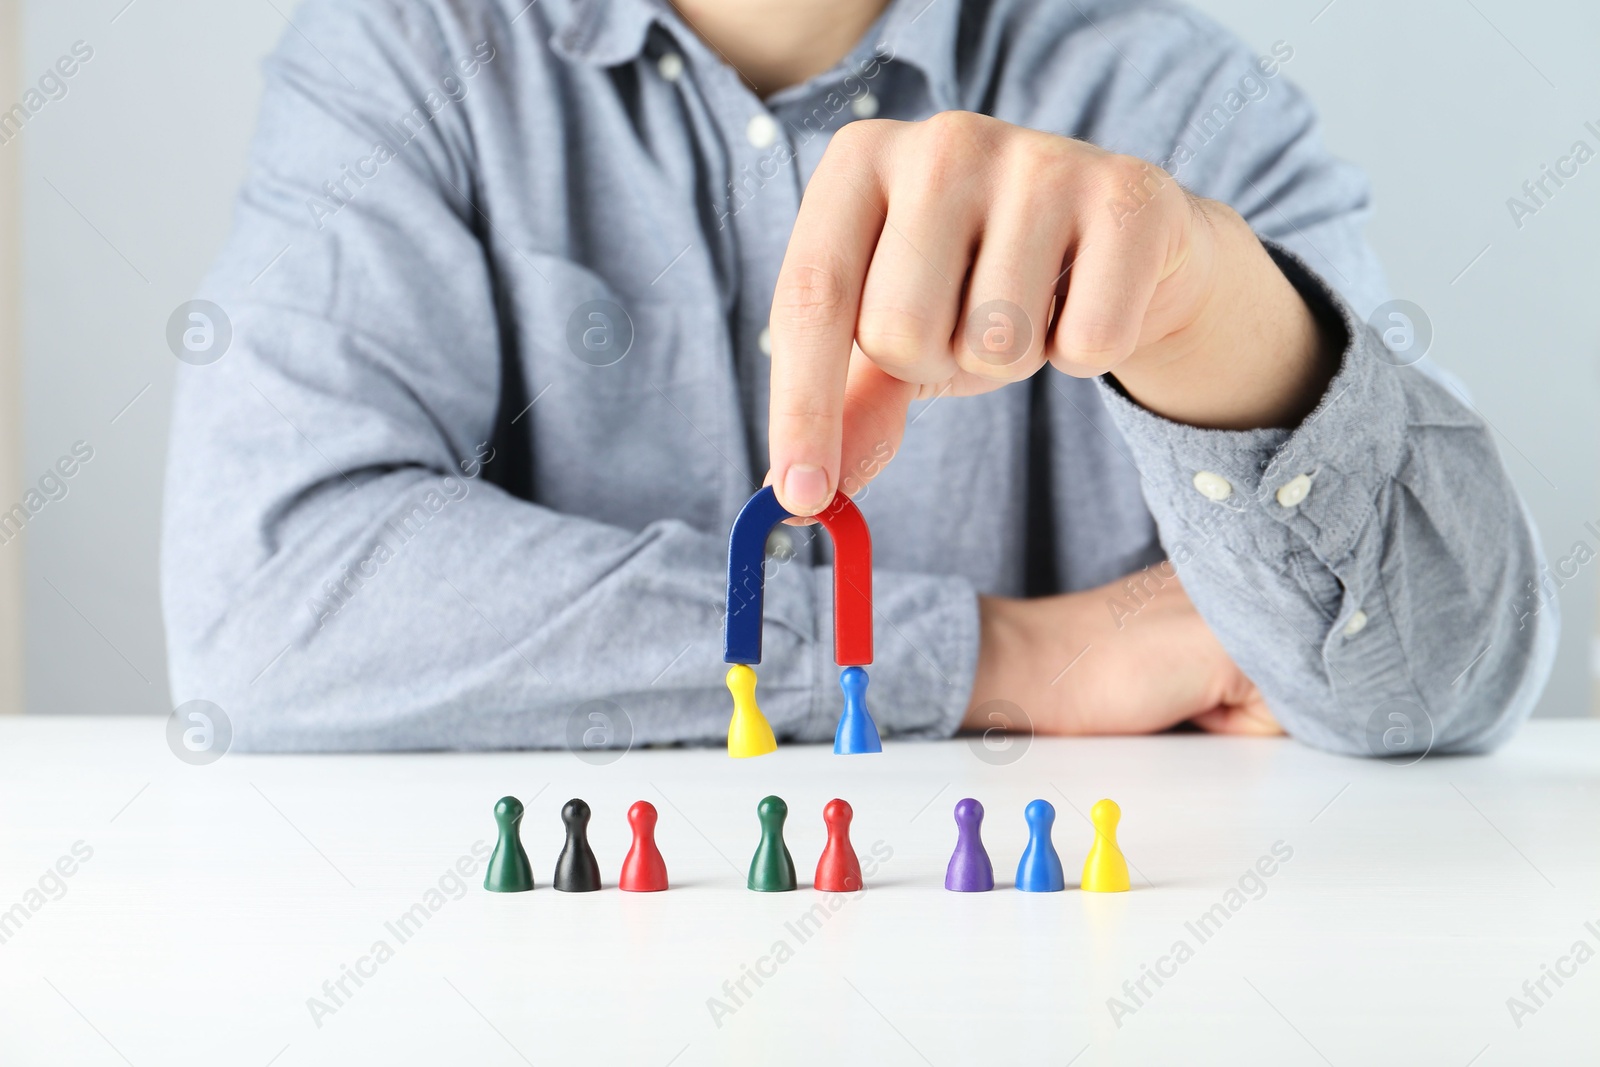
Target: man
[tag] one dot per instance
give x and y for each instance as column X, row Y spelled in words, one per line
column 511, row 286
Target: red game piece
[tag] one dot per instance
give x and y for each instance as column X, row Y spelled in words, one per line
column 838, row 871
column 644, row 871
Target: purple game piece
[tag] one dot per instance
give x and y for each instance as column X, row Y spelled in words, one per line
column 969, row 870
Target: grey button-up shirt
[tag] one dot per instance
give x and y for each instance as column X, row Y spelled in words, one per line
column 497, row 387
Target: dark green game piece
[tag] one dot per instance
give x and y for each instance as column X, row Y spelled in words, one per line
column 577, row 871
column 509, row 870
column 772, row 869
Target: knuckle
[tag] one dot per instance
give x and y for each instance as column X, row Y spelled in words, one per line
column 1120, row 175
column 1035, row 168
column 945, row 123
column 999, row 333
column 1078, row 366
column 803, row 409
column 950, row 142
column 1094, row 343
column 860, row 134
column 1014, row 370
column 810, row 295
column 1034, row 161
column 893, row 337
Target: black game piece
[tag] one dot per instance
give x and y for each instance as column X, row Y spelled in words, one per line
column 577, row 871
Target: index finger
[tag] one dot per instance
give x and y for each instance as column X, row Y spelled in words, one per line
column 814, row 309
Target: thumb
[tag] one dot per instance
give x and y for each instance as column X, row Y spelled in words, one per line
column 1248, row 720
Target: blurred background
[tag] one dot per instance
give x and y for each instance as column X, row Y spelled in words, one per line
column 117, row 190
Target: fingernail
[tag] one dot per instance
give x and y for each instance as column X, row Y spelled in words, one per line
column 805, row 488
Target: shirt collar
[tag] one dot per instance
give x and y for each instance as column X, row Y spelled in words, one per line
column 920, row 33
column 606, row 33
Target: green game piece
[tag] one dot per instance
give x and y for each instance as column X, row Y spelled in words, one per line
column 509, row 870
column 772, row 869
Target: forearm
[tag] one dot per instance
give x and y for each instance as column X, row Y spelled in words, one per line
column 423, row 607
column 438, row 649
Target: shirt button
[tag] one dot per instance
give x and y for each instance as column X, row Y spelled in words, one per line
column 761, row 131
column 1212, row 486
column 1357, row 623
column 764, row 342
column 864, row 106
column 670, row 66
column 1294, row 491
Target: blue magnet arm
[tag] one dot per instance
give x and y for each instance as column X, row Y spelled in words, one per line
column 747, row 553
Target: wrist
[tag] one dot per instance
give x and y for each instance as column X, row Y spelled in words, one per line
column 1024, row 647
column 1000, row 636
column 1254, row 355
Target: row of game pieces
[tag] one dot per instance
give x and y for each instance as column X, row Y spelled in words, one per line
column 772, row 869
column 1105, row 870
column 577, row 871
column 645, row 871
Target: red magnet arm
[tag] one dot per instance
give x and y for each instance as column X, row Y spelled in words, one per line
column 852, row 581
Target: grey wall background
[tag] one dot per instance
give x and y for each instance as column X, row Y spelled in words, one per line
column 11, row 698
column 128, row 180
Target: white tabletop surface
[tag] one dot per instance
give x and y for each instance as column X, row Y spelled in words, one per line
column 217, row 900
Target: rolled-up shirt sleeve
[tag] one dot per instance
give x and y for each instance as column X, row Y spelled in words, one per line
column 1366, row 568
column 1369, row 568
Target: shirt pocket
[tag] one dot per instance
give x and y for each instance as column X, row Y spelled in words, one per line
column 637, row 416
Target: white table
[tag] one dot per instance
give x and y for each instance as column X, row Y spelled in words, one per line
column 218, row 899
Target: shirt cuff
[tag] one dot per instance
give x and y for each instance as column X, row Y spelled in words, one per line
column 1317, row 482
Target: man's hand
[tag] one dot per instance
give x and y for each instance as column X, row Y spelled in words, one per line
column 1075, row 667
column 955, row 255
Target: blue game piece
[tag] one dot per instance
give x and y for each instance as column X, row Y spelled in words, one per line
column 969, row 870
column 1040, row 868
column 857, row 733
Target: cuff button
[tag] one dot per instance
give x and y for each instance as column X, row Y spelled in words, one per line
column 1212, row 486
column 1294, row 491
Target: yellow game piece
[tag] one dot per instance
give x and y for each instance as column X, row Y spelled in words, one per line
column 1105, row 870
column 749, row 733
